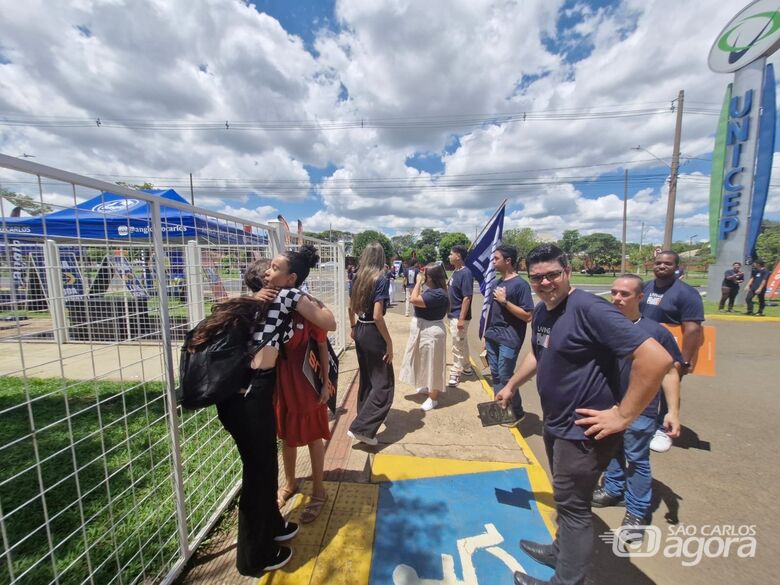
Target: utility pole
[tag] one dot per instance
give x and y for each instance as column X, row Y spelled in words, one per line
column 625, row 221
column 192, row 192
column 669, row 227
column 641, row 238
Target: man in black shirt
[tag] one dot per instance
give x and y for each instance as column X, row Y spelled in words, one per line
column 757, row 288
column 577, row 340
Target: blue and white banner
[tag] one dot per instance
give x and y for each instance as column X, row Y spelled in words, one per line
column 478, row 261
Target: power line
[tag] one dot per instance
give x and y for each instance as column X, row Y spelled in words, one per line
column 385, row 123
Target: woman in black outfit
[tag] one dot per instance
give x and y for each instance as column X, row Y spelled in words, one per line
column 373, row 345
column 249, row 417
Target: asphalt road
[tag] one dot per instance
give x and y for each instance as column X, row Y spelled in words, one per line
column 721, row 475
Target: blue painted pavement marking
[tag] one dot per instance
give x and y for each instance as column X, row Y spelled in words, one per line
column 456, row 530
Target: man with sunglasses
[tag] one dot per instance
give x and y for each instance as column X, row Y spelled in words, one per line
column 577, row 339
column 670, row 300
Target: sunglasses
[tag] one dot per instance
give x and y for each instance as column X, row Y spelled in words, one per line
column 550, row 276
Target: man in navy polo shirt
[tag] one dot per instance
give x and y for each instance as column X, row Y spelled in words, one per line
column 628, row 474
column 757, row 288
column 410, row 277
column 461, row 291
column 576, row 340
column 670, row 300
column 510, row 311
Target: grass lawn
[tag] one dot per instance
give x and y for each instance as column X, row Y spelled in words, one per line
column 711, row 308
column 104, row 469
column 694, row 278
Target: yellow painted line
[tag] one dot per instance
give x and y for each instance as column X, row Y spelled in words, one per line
column 401, row 467
column 540, row 483
column 337, row 546
column 752, row 319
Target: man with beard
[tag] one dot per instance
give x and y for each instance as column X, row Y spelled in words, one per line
column 577, row 339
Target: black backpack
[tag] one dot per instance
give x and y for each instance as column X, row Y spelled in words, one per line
column 220, row 369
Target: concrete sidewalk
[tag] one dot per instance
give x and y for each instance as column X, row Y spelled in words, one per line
column 387, row 500
column 447, row 445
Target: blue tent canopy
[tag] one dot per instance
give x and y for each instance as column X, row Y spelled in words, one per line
column 109, row 216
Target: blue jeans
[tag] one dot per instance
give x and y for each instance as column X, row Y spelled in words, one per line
column 502, row 361
column 628, row 473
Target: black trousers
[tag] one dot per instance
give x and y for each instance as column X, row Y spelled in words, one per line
column 251, row 422
column 728, row 293
column 576, row 467
column 761, row 301
column 377, row 381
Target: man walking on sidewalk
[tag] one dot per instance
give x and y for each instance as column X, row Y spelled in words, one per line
column 628, row 477
column 576, row 340
column 510, row 311
column 461, row 291
column 670, row 300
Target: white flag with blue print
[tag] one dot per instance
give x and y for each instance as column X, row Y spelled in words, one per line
column 478, row 261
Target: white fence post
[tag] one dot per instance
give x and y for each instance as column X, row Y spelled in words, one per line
column 55, row 291
column 276, row 238
column 196, row 303
column 341, row 294
column 170, row 381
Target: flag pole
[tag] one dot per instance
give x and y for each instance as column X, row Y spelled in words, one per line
column 489, row 221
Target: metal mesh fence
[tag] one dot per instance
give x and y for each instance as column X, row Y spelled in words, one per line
column 104, row 479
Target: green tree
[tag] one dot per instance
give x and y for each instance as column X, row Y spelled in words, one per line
column 362, row 240
column 571, row 242
column 402, row 242
column 449, row 240
column 603, row 249
column 25, row 202
column 768, row 244
column 524, row 239
column 146, row 185
column 429, row 237
column 330, row 235
column 426, row 254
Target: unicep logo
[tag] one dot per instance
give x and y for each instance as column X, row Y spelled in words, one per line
column 751, row 34
column 691, row 544
column 117, row 206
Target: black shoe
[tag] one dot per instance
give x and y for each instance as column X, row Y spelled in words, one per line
column 601, row 499
column 748, row 313
column 632, row 531
column 288, row 532
column 523, row 579
column 280, row 559
column 541, row 553
column 519, row 419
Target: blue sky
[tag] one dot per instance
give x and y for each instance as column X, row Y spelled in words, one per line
column 391, row 115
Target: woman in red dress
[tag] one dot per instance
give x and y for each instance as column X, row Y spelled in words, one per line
column 301, row 414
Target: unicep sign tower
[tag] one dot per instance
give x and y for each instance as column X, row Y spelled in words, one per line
column 745, row 140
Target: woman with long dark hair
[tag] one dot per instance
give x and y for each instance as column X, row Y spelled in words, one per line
column 301, row 414
column 374, row 348
column 425, row 359
column 249, row 416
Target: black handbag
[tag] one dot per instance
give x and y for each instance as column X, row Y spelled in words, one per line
column 220, row 369
column 311, row 370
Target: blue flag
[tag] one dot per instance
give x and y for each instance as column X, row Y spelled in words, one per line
column 478, row 261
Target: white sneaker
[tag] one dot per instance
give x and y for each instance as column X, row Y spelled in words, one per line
column 429, row 404
column 454, row 379
column 661, row 442
column 363, row 439
column 422, row 390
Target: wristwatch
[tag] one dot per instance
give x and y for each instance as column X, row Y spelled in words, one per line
column 686, row 366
